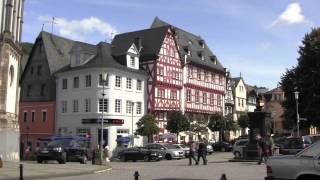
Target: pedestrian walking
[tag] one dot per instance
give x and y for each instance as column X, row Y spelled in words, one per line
column 192, row 146
column 262, row 149
column 202, row 151
column 269, row 145
column 106, row 154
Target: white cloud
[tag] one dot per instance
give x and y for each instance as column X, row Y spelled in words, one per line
column 265, row 45
column 292, row 15
column 81, row 30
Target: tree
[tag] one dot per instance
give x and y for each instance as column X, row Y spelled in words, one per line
column 177, row 122
column 217, row 123
column 305, row 79
column 243, row 121
column 199, row 125
column 147, row 126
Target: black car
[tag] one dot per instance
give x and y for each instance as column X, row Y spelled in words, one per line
column 223, row 146
column 63, row 150
column 293, row 145
column 139, row 153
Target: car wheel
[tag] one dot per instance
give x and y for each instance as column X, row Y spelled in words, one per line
column 39, row 160
column 223, row 149
column 146, row 158
column 237, row 154
column 63, row 158
column 168, row 157
column 84, row 159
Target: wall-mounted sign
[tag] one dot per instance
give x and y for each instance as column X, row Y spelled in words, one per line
column 105, row 121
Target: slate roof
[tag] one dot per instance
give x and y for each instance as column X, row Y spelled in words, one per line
column 188, row 41
column 151, row 41
column 102, row 58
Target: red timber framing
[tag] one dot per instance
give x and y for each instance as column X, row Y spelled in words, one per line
column 204, row 90
column 165, row 80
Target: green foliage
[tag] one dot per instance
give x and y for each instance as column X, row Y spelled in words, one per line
column 231, row 125
column 305, row 77
column 243, row 120
column 199, row 125
column 177, row 122
column 147, row 126
column 216, row 122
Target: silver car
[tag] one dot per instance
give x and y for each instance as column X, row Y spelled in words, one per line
column 238, row 146
column 169, row 151
column 304, row 165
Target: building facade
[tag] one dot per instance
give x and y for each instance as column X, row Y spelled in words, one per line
column 229, row 101
column 95, row 85
column 11, row 20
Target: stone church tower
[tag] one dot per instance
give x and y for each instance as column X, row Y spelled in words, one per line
column 11, row 20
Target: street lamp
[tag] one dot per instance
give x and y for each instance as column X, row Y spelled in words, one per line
column 103, row 80
column 296, row 96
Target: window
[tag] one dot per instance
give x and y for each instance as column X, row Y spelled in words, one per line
column 204, row 98
column 239, row 102
column 39, row 70
column 161, row 93
column 212, row 78
column 103, row 81
column 32, row 116
column 29, row 87
column 217, row 79
column 75, row 106
column 188, row 95
column 220, row 80
column 211, row 99
column 103, row 104
column 129, row 83
column 44, row 116
column 25, row 116
column 118, row 105
column 139, row 85
column 76, row 82
column 199, row 74
column 64, row 106
column 219, row 100
column 42, row 89
column 132, row 61
column 160, row 71
column 190, row 72
column 175, row 75
column 87, row 105
column 64, row 83
column 242, row 104
column 197, row 96
column 206, row 76
column 129, row 107
column 83, row 131
column 122, row 131
column 173, row 94
column 138, row 107
column 11, row 75
column 88, row 80
column 118, row 81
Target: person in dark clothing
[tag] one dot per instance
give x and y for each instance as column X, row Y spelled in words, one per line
column 192, row 146
column 262, row 149
column 202, row 151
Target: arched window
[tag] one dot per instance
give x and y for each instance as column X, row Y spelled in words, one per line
column 11, row 75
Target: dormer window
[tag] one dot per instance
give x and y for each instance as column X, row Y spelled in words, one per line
column 214, row 59
column 132, row 62
column 200, row 54
column 201, row 43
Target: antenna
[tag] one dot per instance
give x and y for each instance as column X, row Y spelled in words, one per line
column 53, row 22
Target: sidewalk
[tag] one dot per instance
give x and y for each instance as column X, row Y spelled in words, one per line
column 33, row 170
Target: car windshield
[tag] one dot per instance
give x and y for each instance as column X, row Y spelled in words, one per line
column 177, row 146
column 170, row 146
column 315, row 138
column 183, row 146
column 311, row 151
column 60, row 143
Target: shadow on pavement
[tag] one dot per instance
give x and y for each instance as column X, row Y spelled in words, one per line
column 178, row 179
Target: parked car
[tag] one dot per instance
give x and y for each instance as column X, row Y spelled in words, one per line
column 139, row 153
column 311, row 138
column 64, row 149
column 293, row 145
column 170, row 151
column 302, row 166
column 222, row 146
column 209, row 149
column 238, row 146
column 185, row 148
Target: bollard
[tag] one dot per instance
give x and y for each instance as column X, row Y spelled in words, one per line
column 21, row 171
column 136, row 175
column 223, row 177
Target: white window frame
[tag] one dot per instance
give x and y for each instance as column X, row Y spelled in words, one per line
column 106, row 81
column 117, row 106
column 139, row 85
column 75, row 104
column 106, row 105
column 118, row 81
column 132, row 61
column 129, row 83
column 88, row 80
column 87, row 105
column 139, row 108
column 129, row 107
column 64, row 106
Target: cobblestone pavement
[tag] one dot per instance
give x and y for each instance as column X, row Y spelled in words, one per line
column 179, row 170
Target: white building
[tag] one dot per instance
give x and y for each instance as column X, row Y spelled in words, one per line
column 79, row 89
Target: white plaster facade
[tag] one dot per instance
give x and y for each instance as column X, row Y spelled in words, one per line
column 70, row 122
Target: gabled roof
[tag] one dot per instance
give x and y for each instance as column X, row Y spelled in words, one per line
column 103, row 58
column 188, row 41
column 235, row 81
column 151, row 41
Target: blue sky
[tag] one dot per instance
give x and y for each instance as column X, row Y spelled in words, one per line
column 258, row 38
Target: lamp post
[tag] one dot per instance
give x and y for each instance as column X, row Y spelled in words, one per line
column 103, row 80
column 296, row 96
column 132, row 104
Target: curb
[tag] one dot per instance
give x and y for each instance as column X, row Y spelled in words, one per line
column 243, row 160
